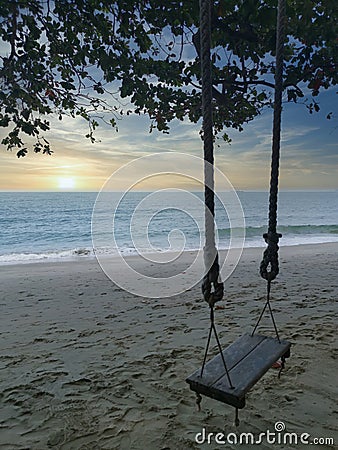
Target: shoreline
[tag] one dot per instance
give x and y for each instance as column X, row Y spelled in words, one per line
column 86, row 364
column 90, row 256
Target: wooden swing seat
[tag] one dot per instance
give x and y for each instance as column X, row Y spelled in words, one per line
column 247, row 360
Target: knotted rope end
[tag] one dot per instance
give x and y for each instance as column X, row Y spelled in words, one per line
column 212, row 286
column 269, row 267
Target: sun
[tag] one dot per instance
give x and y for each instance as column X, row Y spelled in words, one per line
column 66, row 183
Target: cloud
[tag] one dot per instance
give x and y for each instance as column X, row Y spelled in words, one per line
column 309, row 152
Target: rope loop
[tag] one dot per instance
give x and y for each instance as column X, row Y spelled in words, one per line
column 269, row 267
column 212, row 286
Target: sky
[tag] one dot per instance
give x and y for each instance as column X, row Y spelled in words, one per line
column 309, row 152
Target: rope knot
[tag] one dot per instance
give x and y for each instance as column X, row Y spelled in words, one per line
column 212, row 281
column 271, row 237
column 269, row 267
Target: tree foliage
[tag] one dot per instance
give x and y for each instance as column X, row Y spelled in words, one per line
column 88, row 58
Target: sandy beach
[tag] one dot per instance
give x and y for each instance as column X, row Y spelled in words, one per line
column 85, row 365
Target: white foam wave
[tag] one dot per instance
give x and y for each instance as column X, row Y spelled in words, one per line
column 22, row 258
column 73, row 254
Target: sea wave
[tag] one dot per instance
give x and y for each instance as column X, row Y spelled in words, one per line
column 80, row 253
column 66, row 255
column 21, row 258
column 292, row 235
column 284, row 229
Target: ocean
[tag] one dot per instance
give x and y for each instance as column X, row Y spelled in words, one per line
column 38, row 226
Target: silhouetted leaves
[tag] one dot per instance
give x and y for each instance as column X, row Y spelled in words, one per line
column 80, row 58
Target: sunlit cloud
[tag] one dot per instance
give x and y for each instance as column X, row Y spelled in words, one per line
column 309, row 151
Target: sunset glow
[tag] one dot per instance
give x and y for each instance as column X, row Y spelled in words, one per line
column 308, row 150
column 66, row 183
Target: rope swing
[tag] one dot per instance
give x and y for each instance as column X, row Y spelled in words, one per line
column 231, row 374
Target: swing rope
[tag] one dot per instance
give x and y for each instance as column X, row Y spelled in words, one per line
column 269, row 267
column 270, row 256
column 211, row 278
column 212, row 286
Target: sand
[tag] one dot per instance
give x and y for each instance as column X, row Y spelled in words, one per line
column 85, row 365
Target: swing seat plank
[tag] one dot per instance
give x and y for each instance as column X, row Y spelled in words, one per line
column 247, row 360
